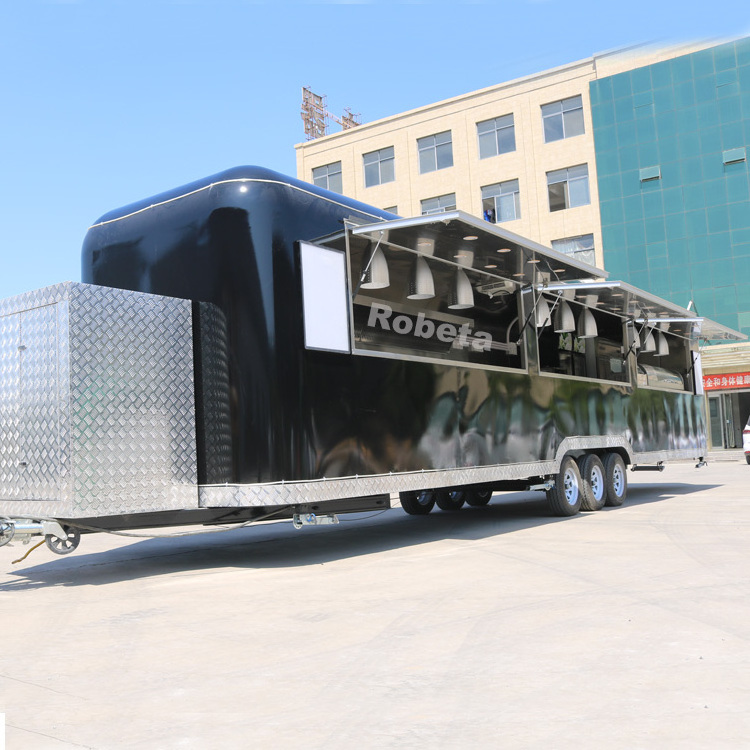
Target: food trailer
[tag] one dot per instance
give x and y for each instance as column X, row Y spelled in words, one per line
column 250, row 346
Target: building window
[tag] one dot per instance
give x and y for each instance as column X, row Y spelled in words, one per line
column 501, row 202
column 392, row 210
column 329, row 177
column 581, row 247
column 568, row 188
column 562, row 119
column 497, row 136
column 439, row 205
column 435, row 152
column 379, row 167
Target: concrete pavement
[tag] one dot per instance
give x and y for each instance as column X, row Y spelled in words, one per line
column 493, row 627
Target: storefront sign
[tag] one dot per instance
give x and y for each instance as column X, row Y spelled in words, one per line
column 727, row 381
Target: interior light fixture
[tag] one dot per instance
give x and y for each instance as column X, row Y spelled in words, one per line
column 649, row 344
column 662, row 345
column 470, row 237
column 421, row 283
column 564, row 321
column 587, row 328
column 376, row 273
column 462, row 295
column 426, row 246
column 542, row 313
column 504, row 250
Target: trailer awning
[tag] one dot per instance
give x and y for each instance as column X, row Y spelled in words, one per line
column 464, row 240
column 629, row 302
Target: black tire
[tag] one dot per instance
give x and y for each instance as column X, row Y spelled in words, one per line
column 64, row 546
column 566, row 496
column 478, row 498
column 747, row 457
column 615, row 480
column 450, row 499
column 418, row 503
column 593, row 488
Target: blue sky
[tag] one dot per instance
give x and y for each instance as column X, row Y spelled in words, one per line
column 107, row 102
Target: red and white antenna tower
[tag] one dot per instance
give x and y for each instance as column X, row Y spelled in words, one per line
column 315, row 115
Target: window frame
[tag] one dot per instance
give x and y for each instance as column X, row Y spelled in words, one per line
column 576, row 252
column 451, row 206
column 567, row 119
column 380, row 161
column 428, row 149
column 516, row 194
column 328, row 176
column 566, row 183
column 496, row 130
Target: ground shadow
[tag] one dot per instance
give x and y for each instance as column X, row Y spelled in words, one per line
column 280, row 545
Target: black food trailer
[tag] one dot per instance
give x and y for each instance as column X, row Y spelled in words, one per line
column 250, row 346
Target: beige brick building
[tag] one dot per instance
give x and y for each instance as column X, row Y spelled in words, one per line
column 540, row 175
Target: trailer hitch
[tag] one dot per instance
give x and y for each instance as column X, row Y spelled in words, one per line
column 310, row 519
column 61, row 540
column 648, row 467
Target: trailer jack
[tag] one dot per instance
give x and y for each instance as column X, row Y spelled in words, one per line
column 310, row 519
column 545, row 486
column 60, row 539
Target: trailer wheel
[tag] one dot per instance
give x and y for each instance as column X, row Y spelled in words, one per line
column 565, row 497
column 478, row 498
column 615, row 479
column 418, row 503
column 450, row 499
column 594, row 491
column 64, row 546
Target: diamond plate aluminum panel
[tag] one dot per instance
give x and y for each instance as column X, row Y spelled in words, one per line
column 100, row 403
column 10, row 369
column 40, row 412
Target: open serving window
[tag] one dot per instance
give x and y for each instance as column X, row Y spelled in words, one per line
column 577, row 339
column 453, row 288
column 617, row 321
column 446, row 288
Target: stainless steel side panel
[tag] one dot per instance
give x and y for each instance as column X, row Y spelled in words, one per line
column 97, row 403
column 322, row 490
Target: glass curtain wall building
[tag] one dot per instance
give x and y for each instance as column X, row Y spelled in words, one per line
column 671, row 142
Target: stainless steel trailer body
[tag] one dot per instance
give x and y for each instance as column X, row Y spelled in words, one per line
column 252, row 346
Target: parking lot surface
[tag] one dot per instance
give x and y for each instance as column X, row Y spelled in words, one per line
column 494, row 627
